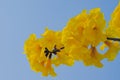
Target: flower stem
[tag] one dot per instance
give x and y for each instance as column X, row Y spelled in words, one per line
column 114, row 39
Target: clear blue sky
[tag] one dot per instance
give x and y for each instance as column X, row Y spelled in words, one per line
column 19, row 18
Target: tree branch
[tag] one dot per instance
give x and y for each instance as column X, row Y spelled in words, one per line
column 114, row 39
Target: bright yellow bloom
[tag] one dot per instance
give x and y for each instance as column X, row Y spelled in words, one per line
column 83, row 30
column 113, row 29
column 73, row 32
column 78, row 41
column 48, row 69
column 45, row 51
column 32, row 49
column 36, row 56
column 72, row 35
column 93, row 58
column 113, row 49
column 94, row 31
column 51, row 38
column 63, row 58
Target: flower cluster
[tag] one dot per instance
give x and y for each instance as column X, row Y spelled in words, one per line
column 77, row 41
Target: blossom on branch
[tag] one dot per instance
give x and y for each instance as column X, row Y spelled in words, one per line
column 78, row 41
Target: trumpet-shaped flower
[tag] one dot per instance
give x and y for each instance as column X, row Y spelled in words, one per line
column 114, row 48
column 35, row 55
column 32, row 49
column 72, row 35
column 63, row 58
column 45, row 51
column 83, row 30
column 92, row 57
column 73, row 31
column 77, row 41
column 94, row 30
column 113, row 29
column 51, row 39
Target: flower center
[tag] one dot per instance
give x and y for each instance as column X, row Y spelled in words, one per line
column 49, row 53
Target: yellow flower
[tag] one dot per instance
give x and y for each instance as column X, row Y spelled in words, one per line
column 63, row 58
column 36, row 56
column 114, row 48
column 78, row 52
column 48, row 69
column 73, row 31
column 31, row 43
column 93, row 58
column 51, row 39
column 32, row 49
column 83, row 30
column 77, row 41
column 113, row 29
column 45, row 51
column 94, row 31
column 72, row 35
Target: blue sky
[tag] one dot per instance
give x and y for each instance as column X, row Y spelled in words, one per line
column 19, row 18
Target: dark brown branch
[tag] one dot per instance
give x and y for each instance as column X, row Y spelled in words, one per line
column 114, row 39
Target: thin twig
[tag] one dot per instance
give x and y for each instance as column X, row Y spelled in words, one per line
column 114, row 39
